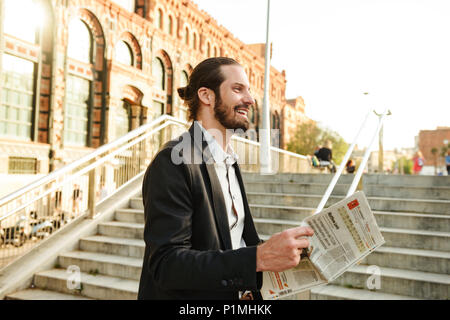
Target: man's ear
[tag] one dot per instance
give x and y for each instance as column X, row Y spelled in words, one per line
column 206, row 96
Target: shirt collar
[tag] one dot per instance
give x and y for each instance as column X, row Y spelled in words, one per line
column 219, row 155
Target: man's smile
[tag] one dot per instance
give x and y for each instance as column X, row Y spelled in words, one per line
column 242, row 111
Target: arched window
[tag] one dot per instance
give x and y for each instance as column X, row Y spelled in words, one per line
column 158, row 73
column 78, row 92
column 184, row 78
column 169, row 25
column 16, row 107
column 215, row 52
column 76, row 111
column 252, row 114
column 80, row 41
column 194, row 40
column 208, row 50
column 17, row 76
column 186, row 36
column 159, row 19
column 123, row 119
column 127, row 4
column 124, row 54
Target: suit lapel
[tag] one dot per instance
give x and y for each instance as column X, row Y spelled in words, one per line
column 250, row 235
column 220, row 213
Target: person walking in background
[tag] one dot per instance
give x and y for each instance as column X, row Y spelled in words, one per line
column 418, row 162
column 325, row 156
column 350, row 166
column 447, row 162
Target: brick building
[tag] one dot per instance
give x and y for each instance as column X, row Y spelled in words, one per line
column 293, row 114
column 429, row 139
column 81, row 73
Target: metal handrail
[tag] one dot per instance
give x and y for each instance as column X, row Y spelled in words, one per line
column 51, row 176
column 132, row 135
column 85, row 169
column 33, row 212
column 359, row 172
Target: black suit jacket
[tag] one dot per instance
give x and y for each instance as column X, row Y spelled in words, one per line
column 188, row 252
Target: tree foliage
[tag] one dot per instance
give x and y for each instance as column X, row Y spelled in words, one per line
column 308, row 136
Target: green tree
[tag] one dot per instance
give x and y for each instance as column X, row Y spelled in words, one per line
column 306, row 139
column 434, row 152
column 404, row 165
column 308, row 136
column 407, row 166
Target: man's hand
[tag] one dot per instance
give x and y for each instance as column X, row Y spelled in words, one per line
column 282, row 251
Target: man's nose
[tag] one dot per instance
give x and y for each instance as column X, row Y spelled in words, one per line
column 248, row 100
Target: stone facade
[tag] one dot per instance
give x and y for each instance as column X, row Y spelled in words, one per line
column 173, row 33
column 429, row 139
column 293, row 114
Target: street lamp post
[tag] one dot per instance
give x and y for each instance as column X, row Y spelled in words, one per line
column 264, row 154
column 380, row 143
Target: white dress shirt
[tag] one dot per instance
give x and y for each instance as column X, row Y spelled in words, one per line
column 230, row 187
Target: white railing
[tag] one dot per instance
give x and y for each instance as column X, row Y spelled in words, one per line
column 360, row 170
column 41, row 208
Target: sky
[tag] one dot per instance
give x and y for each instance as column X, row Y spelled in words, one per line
column 334, row 51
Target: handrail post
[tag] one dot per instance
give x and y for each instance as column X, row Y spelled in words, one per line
column 341, row 167
column 360, row 170
column 92, row 192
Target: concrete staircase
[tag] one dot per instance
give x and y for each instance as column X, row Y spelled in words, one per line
column 413, row 213
column 109, row 262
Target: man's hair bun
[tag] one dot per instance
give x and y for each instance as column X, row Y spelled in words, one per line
column 182, row 92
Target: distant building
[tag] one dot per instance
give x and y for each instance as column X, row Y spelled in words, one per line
column 293, row 114
column 429, row 139
column 390, row 160
column 90, row 71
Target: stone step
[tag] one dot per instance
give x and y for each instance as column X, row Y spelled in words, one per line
column 95, row 263
column 136, row 203
column 296, row 178
column 38, row 294
column 121, row 229
column 399, row 220
column 410, row 259
column 280, row 212
column 416, row 239
column 118, row 246
column 399, row 238
column 95, row 287
column 418, row 221
column 376, row 203
column 378, row 179
column 130, row 215
column 422, row 285
column 371, row 190
column 302, row 188
column 407, row 192
column 333, row 292
column 407, row 180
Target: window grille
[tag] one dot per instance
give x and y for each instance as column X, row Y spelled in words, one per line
column 22, row 165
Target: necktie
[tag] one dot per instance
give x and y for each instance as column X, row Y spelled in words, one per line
column 232, row 196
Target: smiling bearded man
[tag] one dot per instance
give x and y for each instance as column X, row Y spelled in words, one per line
column 200, row 239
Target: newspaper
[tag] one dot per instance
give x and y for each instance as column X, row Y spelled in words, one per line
column 344, row 234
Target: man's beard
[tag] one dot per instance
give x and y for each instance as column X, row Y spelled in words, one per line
column 227, row 116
